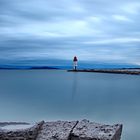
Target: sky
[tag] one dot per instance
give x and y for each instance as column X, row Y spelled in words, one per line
column 105, row 31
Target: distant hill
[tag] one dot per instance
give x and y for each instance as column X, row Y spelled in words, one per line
column 26, row 67
column 65, row 65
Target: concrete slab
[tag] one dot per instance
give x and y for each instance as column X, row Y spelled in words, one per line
column 86, row 130
column 59, row 130
column 18, row 133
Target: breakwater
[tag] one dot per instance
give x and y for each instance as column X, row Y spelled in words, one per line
column 63, row 130
column 115, row 71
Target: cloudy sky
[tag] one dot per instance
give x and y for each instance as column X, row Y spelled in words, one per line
column 105, row 31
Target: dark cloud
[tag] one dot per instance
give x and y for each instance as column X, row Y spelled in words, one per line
column 92, row 29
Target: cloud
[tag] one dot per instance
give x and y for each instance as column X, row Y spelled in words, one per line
column 121, row 18
column 115, row 41
column 132, row 7
column 93, row 30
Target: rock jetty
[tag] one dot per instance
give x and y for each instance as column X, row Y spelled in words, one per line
column 115, row 71
column 63, row 130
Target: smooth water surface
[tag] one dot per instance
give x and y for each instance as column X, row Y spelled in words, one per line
column 34, row 95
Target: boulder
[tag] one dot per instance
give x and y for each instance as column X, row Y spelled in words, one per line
column 86, row 130
column 29, row 133
column 59, row 130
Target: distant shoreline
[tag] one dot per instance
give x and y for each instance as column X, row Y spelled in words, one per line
column 27, row 68
column 79, row 69
column 132, row 71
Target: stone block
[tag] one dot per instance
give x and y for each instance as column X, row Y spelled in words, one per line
column 20, row 134
column 86, row 130
column 59, row 130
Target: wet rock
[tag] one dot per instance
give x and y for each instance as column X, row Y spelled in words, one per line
column 13, row 123
column 86, row 130
column 59, row 130
column 21, row 134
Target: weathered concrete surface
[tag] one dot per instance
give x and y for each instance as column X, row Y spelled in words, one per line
column 86, row 130
column 59, row 130
column 21, row 134
column 62, row 130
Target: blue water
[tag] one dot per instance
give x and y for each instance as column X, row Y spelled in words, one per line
column 34, row 95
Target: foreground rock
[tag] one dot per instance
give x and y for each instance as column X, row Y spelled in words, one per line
column 12, row 123
column 86, row 130
column 63, row 130
column 59, row 130
column 21, row 134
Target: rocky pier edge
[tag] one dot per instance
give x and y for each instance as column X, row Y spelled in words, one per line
column 63, row 130
column 114, row 71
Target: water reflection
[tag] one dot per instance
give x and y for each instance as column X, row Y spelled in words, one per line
column 74, row 85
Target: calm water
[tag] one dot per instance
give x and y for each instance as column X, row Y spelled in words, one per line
column 33, row 95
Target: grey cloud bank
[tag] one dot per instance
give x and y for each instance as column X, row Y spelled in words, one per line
column 94, row 30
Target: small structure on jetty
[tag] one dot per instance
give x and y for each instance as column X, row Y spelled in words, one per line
column 75, row 60
column 63, row 130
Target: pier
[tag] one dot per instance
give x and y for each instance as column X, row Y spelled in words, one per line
column 115, row 71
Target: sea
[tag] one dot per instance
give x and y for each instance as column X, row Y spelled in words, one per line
column 35, row 95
